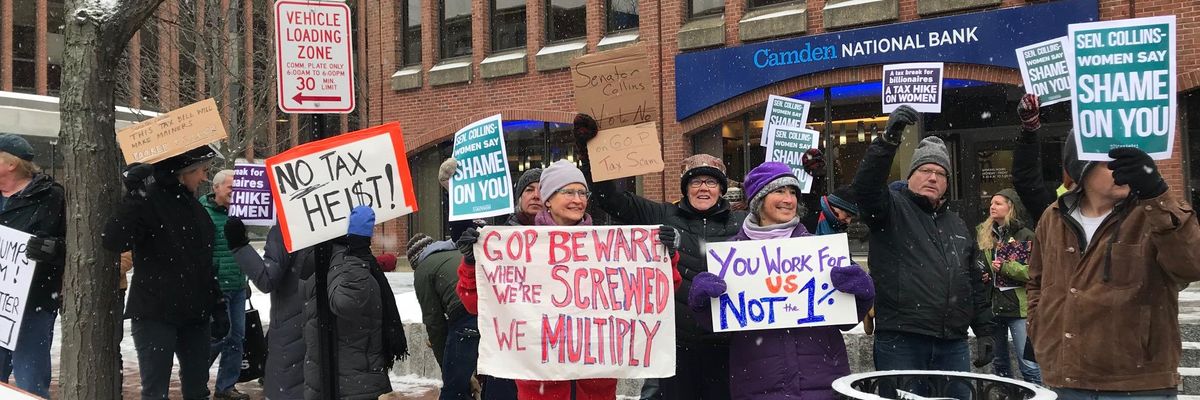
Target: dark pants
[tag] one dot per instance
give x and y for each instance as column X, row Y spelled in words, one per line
column 909, row 351
column 701, row 372
column 158, row 343
column 462, row 354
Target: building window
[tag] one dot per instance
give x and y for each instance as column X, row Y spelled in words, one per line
column 455, row 28
column 764, row 3
column 412, row 33
column 622, row 15
column 566, row 19
column 701, row 8
column 508, row 24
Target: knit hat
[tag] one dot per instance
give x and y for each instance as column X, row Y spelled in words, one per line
column 190, row 158
column 558, row 175
column 702, row 164
column 16, row 145
column 931, row 150
column 416, row 245
column 767, row 177
column 735, row 195
column 530, row 177
column 844, row 198
column 1076, row 168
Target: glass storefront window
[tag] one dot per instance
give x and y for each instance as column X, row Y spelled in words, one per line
column 431, row 216
column 1191, row 126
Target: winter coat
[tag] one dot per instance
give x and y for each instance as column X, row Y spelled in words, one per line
column 1027, row 178
column 172, row 237
column 228, row 274
column 1104, row 315
column 922, row 258
column 695, row 228
column 40, row 210
column 277, row 273
column 356, row 305
column 1008, row 303
column 435, row 275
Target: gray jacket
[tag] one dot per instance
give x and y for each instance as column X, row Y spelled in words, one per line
column 277, row 272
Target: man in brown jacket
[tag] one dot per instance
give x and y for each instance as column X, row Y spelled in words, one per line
column 1108, row 261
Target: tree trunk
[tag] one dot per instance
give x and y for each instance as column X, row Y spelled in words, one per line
column 95, row 39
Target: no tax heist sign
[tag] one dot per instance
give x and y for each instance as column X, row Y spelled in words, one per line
column 561, row 303
column 1124, row 94
column 315, row 185
column 315, row 66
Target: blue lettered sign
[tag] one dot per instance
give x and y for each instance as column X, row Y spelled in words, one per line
column 482, row 185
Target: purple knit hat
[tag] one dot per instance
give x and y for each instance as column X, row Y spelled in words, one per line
column 759, row 181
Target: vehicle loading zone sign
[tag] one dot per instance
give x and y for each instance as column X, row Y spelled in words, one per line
column 313, row 44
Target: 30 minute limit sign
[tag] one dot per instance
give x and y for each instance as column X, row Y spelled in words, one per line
column 314, row 49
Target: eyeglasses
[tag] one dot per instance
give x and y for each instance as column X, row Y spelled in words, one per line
column 931, row 171
column 576, row 193
column 709, row 183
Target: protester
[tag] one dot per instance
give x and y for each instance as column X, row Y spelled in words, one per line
column 1005, row 226
column 736, row 197
column 794, row 363
column 922, row 259
column 565, row 193
column 838, row 211
column 1108, row 260
column 356, row 303
column 1027, row 166
column 453, row 333
column 701, row 216
column 32, row 202
column 277, row 273
column 174, row 292
column 228, row 348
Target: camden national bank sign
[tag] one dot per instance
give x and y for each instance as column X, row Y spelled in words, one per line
column 706, row 78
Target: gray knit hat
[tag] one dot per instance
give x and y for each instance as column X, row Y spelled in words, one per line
column 530, row 177
column 416, row 245
column 559, row 174
column 931, row 150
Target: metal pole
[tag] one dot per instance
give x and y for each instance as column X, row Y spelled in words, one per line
column 326, row 329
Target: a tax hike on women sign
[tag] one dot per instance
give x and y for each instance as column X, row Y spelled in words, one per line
column 562, row 303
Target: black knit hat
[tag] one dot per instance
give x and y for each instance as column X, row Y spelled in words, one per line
column 189, row 158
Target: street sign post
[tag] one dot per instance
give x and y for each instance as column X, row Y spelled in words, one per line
column 314, row 51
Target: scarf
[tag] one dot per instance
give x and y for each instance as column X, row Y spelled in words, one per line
column 543, row 218
column 827, row 221
column 754, row 231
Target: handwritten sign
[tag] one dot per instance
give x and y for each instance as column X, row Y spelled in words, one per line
column 315, row 185
column 560, row 303
column 1044, row 71
column 173, row 133
column 251, row 197
column 1124, row 86
column 917, row 85
column 787, row 145
column 16, row 274
column 626, row 151
column 784, row 111
column 780, row 283
column 482, row 186
column 614, row 87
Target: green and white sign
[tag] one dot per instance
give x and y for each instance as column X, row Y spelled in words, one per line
column 1045, row 72
column 784, row 111
column 482, row 185
column 787, row 145
column 1124, row 86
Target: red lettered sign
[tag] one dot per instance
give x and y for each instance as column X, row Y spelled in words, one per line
column 313, row 46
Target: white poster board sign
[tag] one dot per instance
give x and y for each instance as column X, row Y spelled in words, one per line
column 16, row 275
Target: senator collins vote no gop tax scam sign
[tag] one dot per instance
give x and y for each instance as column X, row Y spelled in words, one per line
column 313, row 46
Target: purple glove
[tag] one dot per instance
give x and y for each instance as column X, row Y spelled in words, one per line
column 705, row 286
column 853, row 280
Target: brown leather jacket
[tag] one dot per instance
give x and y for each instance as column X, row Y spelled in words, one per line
column 1105, row 316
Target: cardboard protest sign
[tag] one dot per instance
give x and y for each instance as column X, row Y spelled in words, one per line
column 251, row 198
column 561, row 303
column 482, row 186
column 1044, row 71
column 173, row 133
column 16, row 274
column 614, row 87
column 784, row 111
column 626, row 151
column 1124, row 86
column 780, row 283
column 787, row 145
column 315, row 185
column 917, row 85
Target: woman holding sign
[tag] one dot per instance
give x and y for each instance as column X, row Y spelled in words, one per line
column 783, row 363
column 1004, row 252
column 565, row 192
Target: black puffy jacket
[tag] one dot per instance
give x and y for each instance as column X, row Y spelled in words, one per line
column 40, row 210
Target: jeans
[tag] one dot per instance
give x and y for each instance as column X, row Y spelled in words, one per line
column 461, row 356
column 1075, row 394
column 229, row 349
column 30, row 363
column 910, row 351
column 1000, row 364
column 158, row 343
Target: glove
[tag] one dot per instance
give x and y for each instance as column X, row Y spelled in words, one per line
column 814, row 162
column 983, row 351
column 1132, row 166
column 668, row 237
column 136, row 177
column 235, row 233
column 1029, row 111
column 901, row 118
column 705, row 286
column 466, row 245
column 853, row 280
column 362, row 221
column 585, row 130
column 446, row 171
column 220, row 320
column 42, row 249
